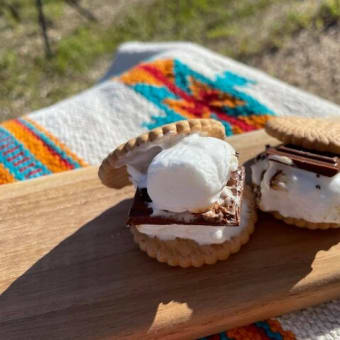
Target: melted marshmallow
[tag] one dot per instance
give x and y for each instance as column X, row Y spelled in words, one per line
column 202, row 234
column 226, row 197
column 190, row 175
column 299, row 193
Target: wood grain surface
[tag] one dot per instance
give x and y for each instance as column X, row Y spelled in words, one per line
column 69, row 268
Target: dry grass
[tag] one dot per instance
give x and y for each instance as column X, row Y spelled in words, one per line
column 292, row 40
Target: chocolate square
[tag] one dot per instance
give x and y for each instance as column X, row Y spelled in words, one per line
column 323, row 163
column 225, row 214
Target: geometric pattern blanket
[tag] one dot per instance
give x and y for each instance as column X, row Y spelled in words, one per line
column 148, row 85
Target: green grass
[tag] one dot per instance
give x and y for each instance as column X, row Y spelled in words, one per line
column 329, row 13
column 201, row 21
column 29, row 81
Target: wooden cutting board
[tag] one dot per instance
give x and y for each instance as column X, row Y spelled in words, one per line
column 69, row 268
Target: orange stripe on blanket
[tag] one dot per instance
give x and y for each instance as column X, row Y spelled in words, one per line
column 185, row 108
column 276, row 327
column 138, row 75
column 258, row 121
column 250, row 332
column 57, row 142
column 36, row 147
column 5, row 176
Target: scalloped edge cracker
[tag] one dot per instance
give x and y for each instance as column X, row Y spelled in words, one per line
column 111, row 165
column 301, row 223
column 320, row 134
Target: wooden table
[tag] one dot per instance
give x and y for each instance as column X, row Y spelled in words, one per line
column 69, row 268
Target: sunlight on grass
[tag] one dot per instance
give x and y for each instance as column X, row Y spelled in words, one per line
column 29, row 81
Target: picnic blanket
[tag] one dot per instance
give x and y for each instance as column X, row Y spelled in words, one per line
column 148, row 85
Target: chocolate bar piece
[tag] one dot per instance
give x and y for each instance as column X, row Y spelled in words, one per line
column 225, row 213
column 323, row 163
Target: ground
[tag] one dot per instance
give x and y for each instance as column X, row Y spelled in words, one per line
column 293, row 40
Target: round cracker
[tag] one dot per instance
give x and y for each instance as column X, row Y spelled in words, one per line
column 301, row 223
column 110, row 169
column 188, row 253
column 320, row 134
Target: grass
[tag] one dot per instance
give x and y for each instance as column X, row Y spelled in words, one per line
column 309, row 16
column 238, row 28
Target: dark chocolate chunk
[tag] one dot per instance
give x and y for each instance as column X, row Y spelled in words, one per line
column 257, row 191
column 145, row 195
column 261, row 156
column 225, row 214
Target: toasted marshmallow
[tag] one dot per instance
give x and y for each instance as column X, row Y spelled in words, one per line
column 295, row 192
column 190, row 175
